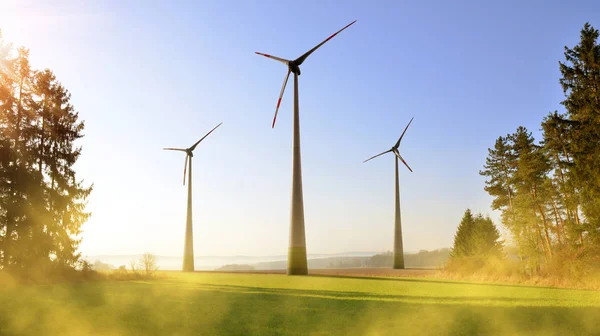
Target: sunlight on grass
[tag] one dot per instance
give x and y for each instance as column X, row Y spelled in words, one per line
column 242, row 304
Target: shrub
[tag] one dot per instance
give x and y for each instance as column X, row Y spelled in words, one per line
column 148, row 263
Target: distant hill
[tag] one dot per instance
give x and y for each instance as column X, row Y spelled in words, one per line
column 421, row 259
column 235, row 267
column 212, row 262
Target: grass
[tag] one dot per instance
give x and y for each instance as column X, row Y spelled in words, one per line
column 270, row 304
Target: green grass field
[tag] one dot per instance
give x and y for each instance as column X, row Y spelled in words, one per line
column 268, row 304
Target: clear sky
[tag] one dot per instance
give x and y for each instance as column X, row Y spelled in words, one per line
column 145, row 76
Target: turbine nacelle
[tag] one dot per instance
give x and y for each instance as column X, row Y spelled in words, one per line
column 394, row 149
column 294, row 68
column 190, row 151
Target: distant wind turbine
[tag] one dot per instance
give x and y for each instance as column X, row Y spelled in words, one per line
column 297, row 263
column 398, row 248
column 188, row 250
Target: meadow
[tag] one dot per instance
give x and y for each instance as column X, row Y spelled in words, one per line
column 205, row 303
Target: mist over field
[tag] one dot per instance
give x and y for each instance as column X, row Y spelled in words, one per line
column 433, row 259
column 315, row 305
column 212, row 262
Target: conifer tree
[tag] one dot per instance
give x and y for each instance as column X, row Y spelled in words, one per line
column 581, row 84
column 476, row 236
column 530, row 175
column 550, row 194
column 42, row 202
column 565, row 203
column 463, row 245
column 486, row 238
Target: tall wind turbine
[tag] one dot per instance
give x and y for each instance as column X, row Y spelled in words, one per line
column 398, row 248
column 297, row 263
column 188, row 250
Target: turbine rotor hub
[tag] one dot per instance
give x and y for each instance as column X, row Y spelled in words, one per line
column 294, row 68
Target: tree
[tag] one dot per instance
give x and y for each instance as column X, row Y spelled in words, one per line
column 580, row 82
column 531, row 169
column 463, row 245
column 148, row 263
column 549, row 193
column 66, row 195
column 100, row 266
column 133, row 265
column 517, row 171
column 499, row 169
column 42, row 203
column 565, row 201
column 384, row 259
column 476, row 236
column 486, row 238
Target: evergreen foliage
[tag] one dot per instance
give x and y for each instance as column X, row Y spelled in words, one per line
column 42, row 203
column 549, row 192
column 476, row 236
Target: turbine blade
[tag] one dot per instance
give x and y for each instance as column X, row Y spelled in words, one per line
column 175, row 149
column 302, row 58
column 280, row 96
column 398, row 143
column 401, row 159
column 196, row 144
column 185, row 168
column 282, row 60
column 371, row 158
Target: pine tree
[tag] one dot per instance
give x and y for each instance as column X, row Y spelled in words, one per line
column 550, row 194
column 565, row 201
column 42, row 203
column 499, row 168
column 6, row 104
column 66, row 194
column 530, row 175
column 463, row 245
column 581, row 84
column 486, row 238
column 516, row 170
column 476, row 236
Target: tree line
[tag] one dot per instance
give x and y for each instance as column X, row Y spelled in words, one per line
column 549, row 191
column 42, row 202
column 423, row 258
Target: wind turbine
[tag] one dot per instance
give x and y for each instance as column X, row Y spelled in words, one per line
column 297, row 263
column 398, row 248
column 188, row 250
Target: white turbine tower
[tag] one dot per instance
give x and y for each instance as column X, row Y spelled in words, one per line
column 188, row 250
column 398, row 247
column 297, row 263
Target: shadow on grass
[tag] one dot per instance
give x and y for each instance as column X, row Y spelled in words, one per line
column 190, row 308
column 362, row 296
column 399, row 277
column 432, row 280
column 293, row 311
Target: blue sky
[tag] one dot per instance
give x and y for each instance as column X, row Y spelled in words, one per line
column 146, row 76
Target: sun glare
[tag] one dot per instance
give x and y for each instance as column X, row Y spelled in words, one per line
column 28, row 24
